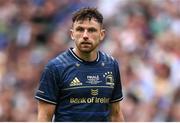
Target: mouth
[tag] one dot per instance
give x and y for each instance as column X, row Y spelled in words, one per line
column 88, row 43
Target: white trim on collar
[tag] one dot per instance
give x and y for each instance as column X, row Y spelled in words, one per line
column 81, row 59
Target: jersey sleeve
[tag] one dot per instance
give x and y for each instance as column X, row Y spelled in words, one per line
column 117, row 94
column 48, row 88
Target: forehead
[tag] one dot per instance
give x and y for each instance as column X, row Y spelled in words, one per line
column 87, row 23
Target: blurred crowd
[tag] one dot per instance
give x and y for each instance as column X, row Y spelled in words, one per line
column 143, row 35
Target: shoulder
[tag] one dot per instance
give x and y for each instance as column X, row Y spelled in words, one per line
column 60, row 61
column 108, row 58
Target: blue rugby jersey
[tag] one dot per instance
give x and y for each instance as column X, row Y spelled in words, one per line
column 81, row 90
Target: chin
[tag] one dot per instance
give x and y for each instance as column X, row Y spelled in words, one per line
column 86, row 50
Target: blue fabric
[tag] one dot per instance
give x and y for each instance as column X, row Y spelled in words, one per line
column 81, row 91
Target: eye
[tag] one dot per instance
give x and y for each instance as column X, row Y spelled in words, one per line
column 92, row 30
column 80, row 29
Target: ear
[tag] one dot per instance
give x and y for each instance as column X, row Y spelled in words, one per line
column 102, row 34
column 72, row 34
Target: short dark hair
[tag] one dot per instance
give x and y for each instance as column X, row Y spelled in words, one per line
column 88, row 13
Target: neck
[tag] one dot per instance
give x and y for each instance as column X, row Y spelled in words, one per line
column 86, row 56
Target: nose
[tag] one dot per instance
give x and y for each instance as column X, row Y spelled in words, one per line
column 85, row 35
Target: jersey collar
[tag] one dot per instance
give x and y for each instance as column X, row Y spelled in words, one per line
column 81, row 60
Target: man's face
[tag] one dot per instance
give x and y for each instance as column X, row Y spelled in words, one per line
column 87, row 35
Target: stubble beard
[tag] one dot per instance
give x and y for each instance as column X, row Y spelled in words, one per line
column 87, row 49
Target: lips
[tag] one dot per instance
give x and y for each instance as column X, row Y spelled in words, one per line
column 86, row 43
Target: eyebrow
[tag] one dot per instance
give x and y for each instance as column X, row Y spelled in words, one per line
column 79, row 27
column 89, row 28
